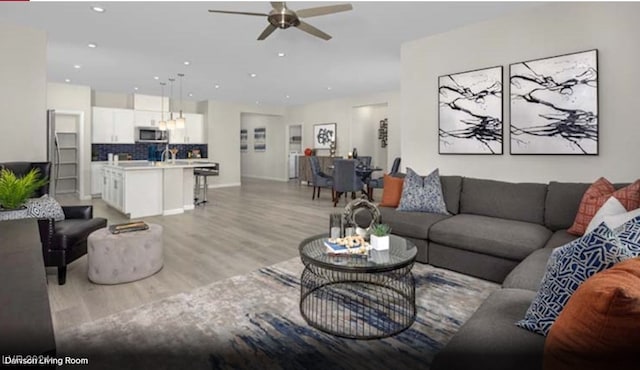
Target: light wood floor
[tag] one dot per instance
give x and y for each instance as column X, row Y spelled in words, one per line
column 240, row 230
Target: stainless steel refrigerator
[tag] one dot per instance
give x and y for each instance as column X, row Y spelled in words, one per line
column 53, row 151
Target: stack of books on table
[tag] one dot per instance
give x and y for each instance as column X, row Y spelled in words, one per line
column 128, row 227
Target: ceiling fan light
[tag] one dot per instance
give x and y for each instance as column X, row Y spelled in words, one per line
column 180, row 122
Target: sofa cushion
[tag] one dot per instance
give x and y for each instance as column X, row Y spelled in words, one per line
column 599, row 327
column 521, row 202
column 560, row 238
column 568, row 267
column 451, row 188
column 498, row 237
column 422, row 194
column 411, row 224
column 490, row 341
column 528, row 274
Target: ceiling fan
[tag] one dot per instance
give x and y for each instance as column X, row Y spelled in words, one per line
column 282, row 17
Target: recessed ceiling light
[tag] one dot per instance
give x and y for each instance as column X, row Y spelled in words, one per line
column 329, row 88
column 217, row 86
column 190, row 94
column 92, row 45
column 257, row 102
column 281, row 54
column 287, row 96
column 67, row 80
column 135, row 88
column 186, row 62
column 77, row 66
column 156, row 77
column 253, row 74
column 98, row 9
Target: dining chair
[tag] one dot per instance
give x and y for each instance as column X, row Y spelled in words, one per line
column 319, row 178
column 378, row 183
column 345, row 179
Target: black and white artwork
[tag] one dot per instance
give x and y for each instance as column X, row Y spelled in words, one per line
column 323, row 135
column 243, row 140
column 260, row 139
column 470, row 112
column 554, row 105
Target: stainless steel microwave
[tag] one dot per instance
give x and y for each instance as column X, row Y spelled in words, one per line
column 151, row 135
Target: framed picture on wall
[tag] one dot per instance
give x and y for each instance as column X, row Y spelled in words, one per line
column 243, row 140
column 260, row 139
column 323, row 135
column 554, row 105
column 470, row 112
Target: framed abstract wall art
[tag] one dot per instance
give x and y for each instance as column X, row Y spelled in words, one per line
column 323, row 135
column 243, row 140
column 260, row 139
column 470, row 112
column 554, row 105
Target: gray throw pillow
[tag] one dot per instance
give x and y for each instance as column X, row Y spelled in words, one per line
column 422, row 194
column 45, row 207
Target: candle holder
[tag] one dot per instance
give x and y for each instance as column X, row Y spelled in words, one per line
column 335, row 225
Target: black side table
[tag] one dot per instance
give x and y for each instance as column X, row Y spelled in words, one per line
column 358, row 297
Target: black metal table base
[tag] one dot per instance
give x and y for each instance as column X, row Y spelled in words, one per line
column 358, row 305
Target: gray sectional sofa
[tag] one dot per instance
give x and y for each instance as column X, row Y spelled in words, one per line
column 502, row 232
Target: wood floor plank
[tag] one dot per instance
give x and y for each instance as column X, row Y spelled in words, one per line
column 240, row 230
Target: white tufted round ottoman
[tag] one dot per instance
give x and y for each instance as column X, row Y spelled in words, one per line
column 125, row 257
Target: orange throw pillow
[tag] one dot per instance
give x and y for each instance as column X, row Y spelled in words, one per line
column 596, row 196
column 392, row 191
column 599, row 328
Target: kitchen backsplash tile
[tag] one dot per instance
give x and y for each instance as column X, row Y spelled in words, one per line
column 140, row 151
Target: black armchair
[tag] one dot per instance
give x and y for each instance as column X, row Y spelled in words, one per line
column 62, row 241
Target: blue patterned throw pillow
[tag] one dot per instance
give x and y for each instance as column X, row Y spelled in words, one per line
column 422, row 194
column 628, row 235
column 567, row 268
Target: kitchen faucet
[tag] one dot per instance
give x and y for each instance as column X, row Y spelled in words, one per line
column 165, row 152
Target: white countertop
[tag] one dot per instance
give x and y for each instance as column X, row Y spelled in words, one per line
column 146, row 165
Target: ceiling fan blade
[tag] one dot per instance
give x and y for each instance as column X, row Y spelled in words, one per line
column 240, row 13
column 306, row 27
column 323, row 10
column 267, row 31
column 278, row 5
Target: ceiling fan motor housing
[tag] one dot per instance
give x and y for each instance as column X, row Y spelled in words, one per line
column 283, row 18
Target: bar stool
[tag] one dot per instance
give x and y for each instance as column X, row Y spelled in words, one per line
column 204, row 173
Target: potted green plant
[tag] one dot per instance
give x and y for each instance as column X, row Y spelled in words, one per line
column 14, row 190
column 380, row 236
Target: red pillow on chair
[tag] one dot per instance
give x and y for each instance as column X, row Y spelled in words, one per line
column 392, row 191
column 597, row 195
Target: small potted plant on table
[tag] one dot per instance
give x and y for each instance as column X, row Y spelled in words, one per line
column 380, row 237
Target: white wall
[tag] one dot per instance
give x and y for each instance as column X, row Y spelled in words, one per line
column 23, row 85
column 223, row 124
column 76, row 98
column 365, row 125
column 539, row 32
column 272, row 163
column 125, row 101
column 341, row 112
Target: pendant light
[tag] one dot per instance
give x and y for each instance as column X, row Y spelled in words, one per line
column 171, row 123
column 180, row 121
column 162, row 125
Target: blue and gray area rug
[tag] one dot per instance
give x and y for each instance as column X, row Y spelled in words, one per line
column 253, row 322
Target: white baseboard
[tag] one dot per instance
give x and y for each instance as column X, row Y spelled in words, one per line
column 170, row 212
column 267, row 178
column 231, row 184
column 189, row 207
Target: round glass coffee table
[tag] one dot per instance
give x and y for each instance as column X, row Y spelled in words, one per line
column 361, row 297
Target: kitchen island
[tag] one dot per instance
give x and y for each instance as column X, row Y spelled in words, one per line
column 141, row 189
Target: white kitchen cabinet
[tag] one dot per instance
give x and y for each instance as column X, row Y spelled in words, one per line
column 112, row 125
column 113, row 192
column 146, row 118
column 193, row 131
column 97, row 178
